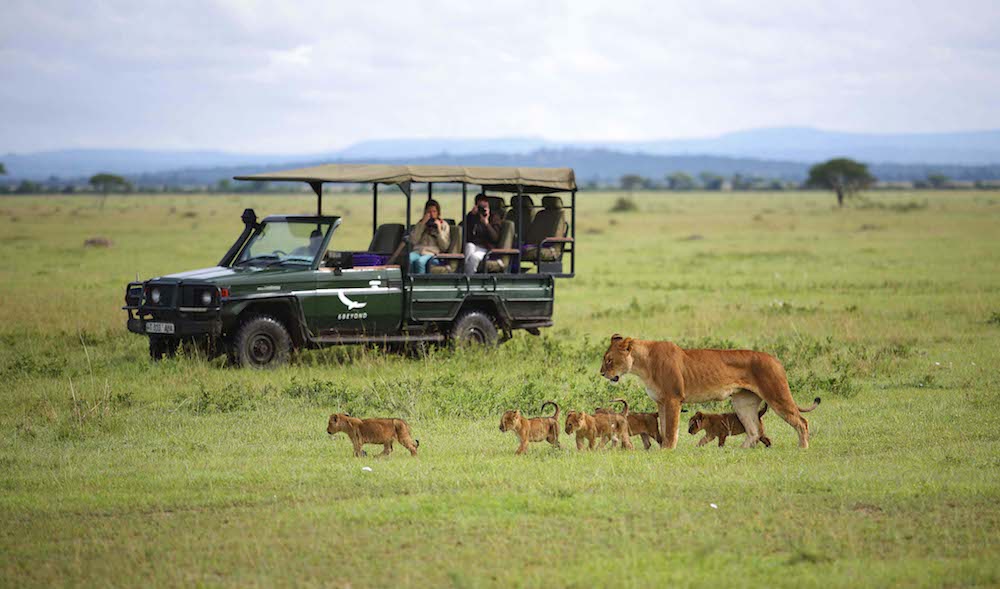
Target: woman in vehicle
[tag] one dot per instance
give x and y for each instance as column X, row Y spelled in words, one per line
column 429, row 237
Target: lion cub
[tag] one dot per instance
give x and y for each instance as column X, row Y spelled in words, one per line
column 722, row 425
column 604, row 424
column 373, row 431
column 535, row 429
column 645, row 425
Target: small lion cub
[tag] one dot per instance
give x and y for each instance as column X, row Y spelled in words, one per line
column 604, row 424
column 373, row 431
column 723, row 425
column 535, row 429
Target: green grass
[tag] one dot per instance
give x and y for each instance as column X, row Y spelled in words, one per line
column 116, row 471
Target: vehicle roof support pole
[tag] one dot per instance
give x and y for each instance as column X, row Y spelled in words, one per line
column 374, row 208
column 520, row 217
column 318, row 189
column 430, row 190
column 463, row 216
column 572, row 230
column 407, row 211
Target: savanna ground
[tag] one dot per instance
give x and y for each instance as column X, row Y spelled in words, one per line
column 118, row 471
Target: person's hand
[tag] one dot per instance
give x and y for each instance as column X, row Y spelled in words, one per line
column 425, row 218
column 439, row 223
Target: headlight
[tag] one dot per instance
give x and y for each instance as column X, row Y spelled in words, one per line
column 206, row 298
column 155, row 296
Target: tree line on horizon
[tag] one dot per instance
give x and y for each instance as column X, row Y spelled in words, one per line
column 844, row 176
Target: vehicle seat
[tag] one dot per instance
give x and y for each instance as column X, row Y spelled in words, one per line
column 521, row 206
column 502, row 262
column 387, row 238
column 548, row 222
column 454, row 247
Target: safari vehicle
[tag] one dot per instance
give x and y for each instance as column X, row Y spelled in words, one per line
column 285, row 285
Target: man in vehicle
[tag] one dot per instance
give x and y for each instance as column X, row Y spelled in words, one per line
column 483, row 232
column 315, row 240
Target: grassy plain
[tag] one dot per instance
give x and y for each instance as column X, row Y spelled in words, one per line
column 115, row 471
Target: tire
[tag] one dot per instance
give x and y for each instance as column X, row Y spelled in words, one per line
column 162, row 347
column 261, row 342
column 474, row 328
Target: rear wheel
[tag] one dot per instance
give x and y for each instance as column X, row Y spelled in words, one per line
column 261, row 342
column 474, row 328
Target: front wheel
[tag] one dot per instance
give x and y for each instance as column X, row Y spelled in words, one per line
column 474, row 327
column 261, row 342
column 161, row 346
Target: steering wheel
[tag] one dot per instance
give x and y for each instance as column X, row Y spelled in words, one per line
column 280, row 252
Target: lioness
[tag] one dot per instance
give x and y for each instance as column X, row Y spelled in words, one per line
column 373, row 431
column 673, row 375
column 535, row 429
column 723, row 425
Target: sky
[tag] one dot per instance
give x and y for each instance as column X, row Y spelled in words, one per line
column 314, row 76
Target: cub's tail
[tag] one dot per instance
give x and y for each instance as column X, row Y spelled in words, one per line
column 554, row 404
column 762, row 411
column 811, row 407
column 624, row 403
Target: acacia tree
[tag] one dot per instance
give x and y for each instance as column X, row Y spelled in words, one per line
column 844, row 176
column 680, row 181
column 630, row 182
column 105, row 183
column 3, row 170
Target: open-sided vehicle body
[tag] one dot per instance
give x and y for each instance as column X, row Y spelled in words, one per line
column 284, row 283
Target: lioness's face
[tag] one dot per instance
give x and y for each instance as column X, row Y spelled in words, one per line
column 573, row 421
column 695, row 423
column 618, row 358
column 509, row 420
column 337, row 423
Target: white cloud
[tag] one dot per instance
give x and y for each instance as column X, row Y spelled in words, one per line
column 318, row 75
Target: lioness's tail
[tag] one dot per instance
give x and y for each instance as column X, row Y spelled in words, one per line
column 554, row 404
column 811, row 407
column 623, row 402
column 763, row 411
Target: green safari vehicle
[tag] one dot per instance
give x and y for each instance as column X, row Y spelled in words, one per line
column 284, row 285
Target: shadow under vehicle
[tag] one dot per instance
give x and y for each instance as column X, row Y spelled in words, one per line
column 283, row 285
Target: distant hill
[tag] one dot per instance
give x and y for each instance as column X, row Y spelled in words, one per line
column 776, row 153
column 596, row 165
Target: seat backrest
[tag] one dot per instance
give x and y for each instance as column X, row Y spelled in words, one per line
column 454, row 247
column 521, row 206
column 387, row 237
column 497, row 206
column 548, row 222
column 502, row 263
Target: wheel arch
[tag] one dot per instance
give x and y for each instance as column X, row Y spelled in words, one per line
column 287, row 310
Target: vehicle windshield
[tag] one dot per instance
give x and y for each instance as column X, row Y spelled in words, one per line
column 285, row 242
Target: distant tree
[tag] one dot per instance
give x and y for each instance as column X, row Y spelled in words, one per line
column 844, row 176
column 28, row 187
column 740, row 182
column 105, row 183
column 710, row 181
column 630, row 182
column 3, row 170
column 224, row 185
column 937, row 180
column 680, row 181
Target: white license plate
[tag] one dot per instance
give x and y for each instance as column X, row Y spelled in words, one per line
column 159, row 327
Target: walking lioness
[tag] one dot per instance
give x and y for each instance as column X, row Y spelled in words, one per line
column 673, row 376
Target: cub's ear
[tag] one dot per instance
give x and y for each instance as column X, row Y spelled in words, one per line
column 347, row 415
column 628, row 344
column 615, row 338
column 698, row 415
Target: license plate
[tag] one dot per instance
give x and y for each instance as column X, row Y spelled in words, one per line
column 159, row 327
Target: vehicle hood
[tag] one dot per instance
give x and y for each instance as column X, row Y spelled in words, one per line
column 223, row 275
